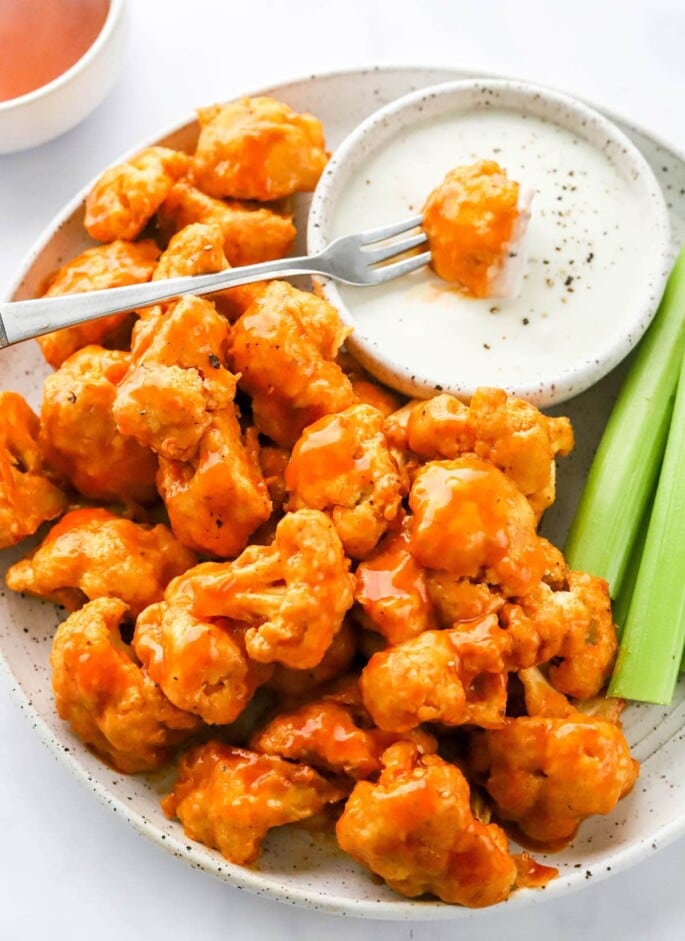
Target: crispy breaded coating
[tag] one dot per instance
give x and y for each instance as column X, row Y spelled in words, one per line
column 106, row 266
column 547, row 774
column 250, row 234
column 392, row 590
column 91, row 553
column 229, row 798
column 572, row 627
column 177, row 381
column 126, row 196
column 472, row 521
column 460, row 599
column 258, row 148
column 508, row 432
column 27, row 495
column 454, row 677
column 335, row 662
column 284, row 347
column 110, row 702
column 470, row 220
column 79, row 436
column 200, row 663
column 341, row 465
column 293, row 594
column 416, row 830
column 218, row 498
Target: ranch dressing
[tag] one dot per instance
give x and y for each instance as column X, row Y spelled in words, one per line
column 584, row 250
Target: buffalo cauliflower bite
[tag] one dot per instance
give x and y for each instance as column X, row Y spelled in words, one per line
column 250, row 234
column 572, row 628
column 110, row 702
column 284, row 347
column 177, row 380
column 91, row 553
column 341, row 465
column 229, row 798
column 106, row 266
column 79, row 436
column 392, row 590
column 454, row 677
column 546, row 774
column 258, row 148
column 218, row 498
column 416, row 830
column 473, row 221
column 126, row 197
column 460, row 599
column 199, row 663
column 293, row 594
column 292, row 683
column 27, row 496
column 506, row 431
column 470, row 520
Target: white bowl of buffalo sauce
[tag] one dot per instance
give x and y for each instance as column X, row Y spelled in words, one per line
column 597, row 242
column 59, row 59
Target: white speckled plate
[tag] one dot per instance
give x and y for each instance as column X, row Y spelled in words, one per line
column 299, row 867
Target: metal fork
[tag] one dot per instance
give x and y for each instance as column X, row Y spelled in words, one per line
column 353, row 259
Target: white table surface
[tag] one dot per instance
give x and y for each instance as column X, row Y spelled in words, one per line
column 68, row 866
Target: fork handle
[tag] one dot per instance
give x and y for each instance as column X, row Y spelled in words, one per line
column 22, row 320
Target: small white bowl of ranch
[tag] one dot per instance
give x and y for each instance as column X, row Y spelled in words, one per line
column 591, row 265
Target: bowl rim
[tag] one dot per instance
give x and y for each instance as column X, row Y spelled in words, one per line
column 114, row 11
column 554, row 387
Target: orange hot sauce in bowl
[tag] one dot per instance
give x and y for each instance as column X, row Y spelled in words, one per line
column 42, row 39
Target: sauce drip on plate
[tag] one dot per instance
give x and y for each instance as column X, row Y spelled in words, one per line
column 41, row 39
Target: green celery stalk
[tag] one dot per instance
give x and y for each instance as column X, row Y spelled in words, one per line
column 654, row 634
column 621, row 606
column 624, row 470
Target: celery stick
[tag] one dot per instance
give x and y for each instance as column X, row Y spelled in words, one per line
column 621, row 606
column 652, row 643
column 624, row 471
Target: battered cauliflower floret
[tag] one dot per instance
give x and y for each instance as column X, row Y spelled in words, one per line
column 273, row 460
column 470, row 520
column 79, row 436
column 392, row 590
column 218, row 498
column 250, row 234
column 454, row 677
column 178, row 381
column 572, row 627
column 106, row 266
column 258, row 148
column 416, row 830
column 460, row 599
column 293, row 594
column 366, row 388
column 200, row 663
column 126, row 197
column 284, row 347
column 27, row 496
column 341, row 465
column 546, row 774
column 335, row 662
column 472, row 220
column 229, row 798
column 110, row 702
column 92, row 553
column 506, row 431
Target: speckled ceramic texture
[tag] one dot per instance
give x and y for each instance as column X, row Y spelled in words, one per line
column 420, row 337
column 299, row 867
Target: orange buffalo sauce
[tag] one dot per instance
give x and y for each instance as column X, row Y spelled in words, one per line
column 41, row 39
